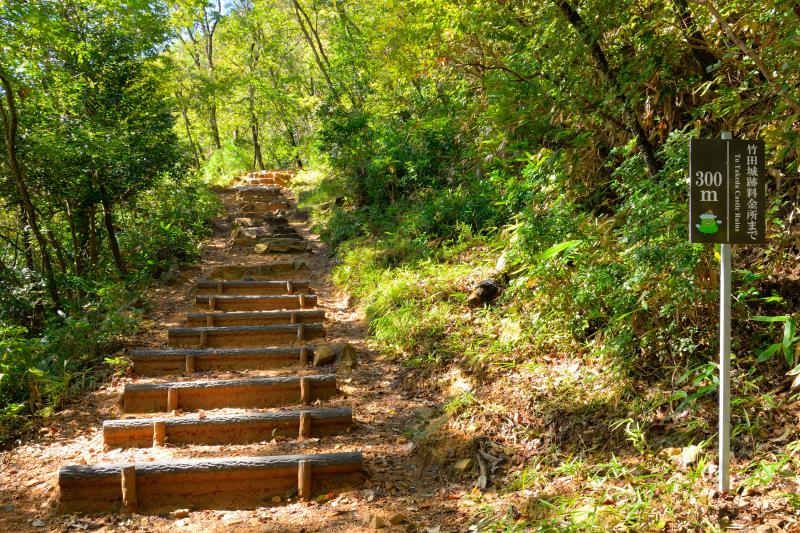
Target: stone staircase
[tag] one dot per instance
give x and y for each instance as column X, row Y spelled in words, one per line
column 250, row 319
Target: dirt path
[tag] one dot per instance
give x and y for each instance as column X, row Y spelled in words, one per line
column 395, row 428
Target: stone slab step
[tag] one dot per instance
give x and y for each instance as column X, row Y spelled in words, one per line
column 159, row 362
column 267, row 271
column 281, row 246
column 257, row 191
column 226, row 429
column 220, row 483
column 243, row 336
column 259, row 208
column 224, row 302
column 255, row 318
column 252, row 287
column 221, row 394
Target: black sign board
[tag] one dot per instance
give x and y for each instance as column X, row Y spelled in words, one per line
column 727, row 191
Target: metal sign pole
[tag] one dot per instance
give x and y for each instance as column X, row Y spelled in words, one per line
column 725, row 358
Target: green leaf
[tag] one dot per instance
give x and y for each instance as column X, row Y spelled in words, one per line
column 767, row 354
column 759, row 318
column 789, row 328
column 557, row 249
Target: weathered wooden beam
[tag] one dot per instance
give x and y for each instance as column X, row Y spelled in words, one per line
column 159, row 362
column 251, row 287
column 226, row 429
column 219, row 394
column 242, row 336
column 255, row 318
column 240, row 482
column 257, row 303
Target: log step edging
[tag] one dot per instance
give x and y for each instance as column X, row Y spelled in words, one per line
column 255, row 318
column 157, row 362
column 273, row 335
column 251, row 288
column 242, row 482
column 226, row 429
column 225, row 302
column 220, row 394
column 245, row 271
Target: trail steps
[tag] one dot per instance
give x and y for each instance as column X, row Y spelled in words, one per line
column 251, row 318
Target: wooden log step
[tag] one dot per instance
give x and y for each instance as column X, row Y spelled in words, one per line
column 255, row 318
column 226, row 429
column 225, row 302
column 219, row 394
column 224, row 483
column 270, row 270
column 252, row 287
column 242, row 336
column 159, row 362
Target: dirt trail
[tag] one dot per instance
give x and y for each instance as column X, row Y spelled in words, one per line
column 408, row 479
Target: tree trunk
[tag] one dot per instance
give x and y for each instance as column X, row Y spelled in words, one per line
column 317, row 58
column 195, row 149
column 108, row 220
column 10, row 126
column 27, row 245
column 94, row 249
column 599, row 56
column 212, row 122
column 258, row 157
column 293, row 142
column 694, row 38
column 62, row 264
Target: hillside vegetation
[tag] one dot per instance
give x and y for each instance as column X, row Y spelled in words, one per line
column 542, row 144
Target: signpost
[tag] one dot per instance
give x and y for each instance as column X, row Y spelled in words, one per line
column 727, row 198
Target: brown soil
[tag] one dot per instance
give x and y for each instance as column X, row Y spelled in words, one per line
column 395, row 427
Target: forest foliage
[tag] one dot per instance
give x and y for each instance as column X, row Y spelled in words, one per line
column 443, row 135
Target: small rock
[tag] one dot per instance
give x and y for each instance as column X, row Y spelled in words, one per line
column 180, row 513
column 397, row 519
column 323, row 355
column 486, row 291
column 371, row 520
column 37, row 523
column 276, row 499
column 9, row 507
column 463, row 465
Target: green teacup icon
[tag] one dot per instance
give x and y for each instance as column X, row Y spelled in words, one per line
column 709, row 223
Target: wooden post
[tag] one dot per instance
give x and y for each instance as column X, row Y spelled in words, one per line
column 301, row 333
column 210, row 320
column 305, row 390
column 293, row 318
column 304, row 479
column 191, row 364
column 172, row 399
column 219, row 287
column 130, row 499
column 203, row 339
column 289, row 288
column 212, row 303
column 302, row 299
column 305, row 425
column 304, row 356
column 159, row 433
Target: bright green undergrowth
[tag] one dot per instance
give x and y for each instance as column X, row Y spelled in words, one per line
column 609, row 314
column 57, row 357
